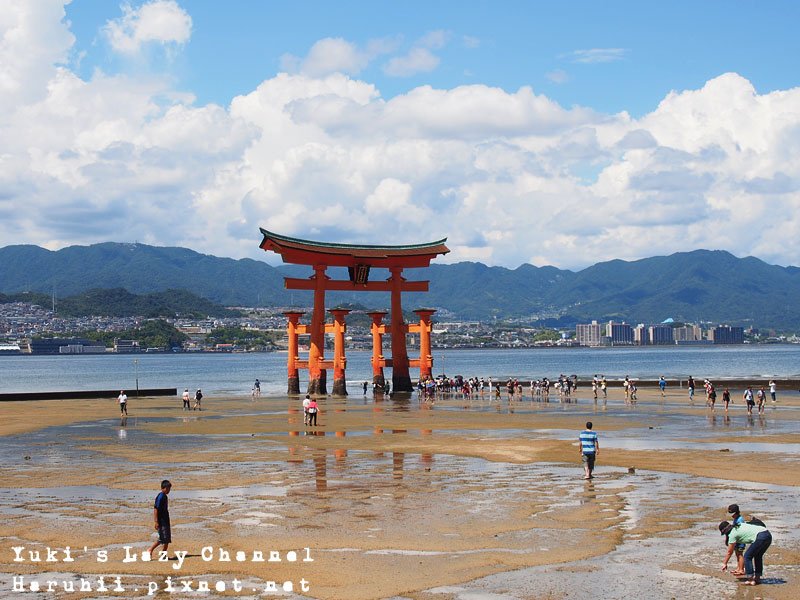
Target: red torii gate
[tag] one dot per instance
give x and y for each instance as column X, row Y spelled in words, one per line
column 358, row 259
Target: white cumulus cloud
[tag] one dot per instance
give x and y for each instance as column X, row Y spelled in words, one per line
column 336, row 55
column 508, row 176
column 159, row 21
column 418, row 60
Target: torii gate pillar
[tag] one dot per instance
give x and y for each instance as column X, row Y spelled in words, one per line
column 338, row 329
column 424, row 328
column 378, row 361
column 317, row 376
column 401, row 381
column 293, row 329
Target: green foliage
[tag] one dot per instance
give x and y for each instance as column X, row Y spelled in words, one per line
column 42, row 300
column 119, row 302
column 547, row 335
column 242, row 337
column 152, row 334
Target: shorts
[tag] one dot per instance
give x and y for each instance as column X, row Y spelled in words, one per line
column 740, row 547
column 164, row 534
column 588, row 459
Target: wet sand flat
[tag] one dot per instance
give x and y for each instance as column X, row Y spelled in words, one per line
column 394, row 498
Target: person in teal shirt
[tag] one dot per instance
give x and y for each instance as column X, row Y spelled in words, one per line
column 759, row 539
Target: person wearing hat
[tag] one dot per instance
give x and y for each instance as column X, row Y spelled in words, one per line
column 759, row 539
column 161, row 517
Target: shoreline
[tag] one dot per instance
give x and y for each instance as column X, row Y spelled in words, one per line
column 785, row 386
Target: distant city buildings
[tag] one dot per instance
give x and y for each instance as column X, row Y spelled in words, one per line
column 688, row 333
column 661, row 335
column 724, row 334
column 126, row 346
column 25, row 328
column 65, row 346
column 588, row 334
column 621, row 334
column 641, row 335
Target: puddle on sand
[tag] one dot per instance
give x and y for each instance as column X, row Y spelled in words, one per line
column 80, row 493
column 654, row 563
column 357, row 490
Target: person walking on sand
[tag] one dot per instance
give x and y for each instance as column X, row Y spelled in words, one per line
column 662, row 383
column 712, row 395
column 123, row 402
column 313, row 409
column 306, row 403
column 773, row 390
column 198, row 397
column 762, row 400
column 748, row 399
column 604, row 386
column 759, row 539
column 257, row 388
column 590, row 447
column 691, row 388
column 161, row 518
column 726, row 398
column 186, row 400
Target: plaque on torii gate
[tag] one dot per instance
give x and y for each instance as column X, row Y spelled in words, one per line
column 358, row 259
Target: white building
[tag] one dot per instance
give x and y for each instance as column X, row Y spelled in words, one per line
column 588, row 334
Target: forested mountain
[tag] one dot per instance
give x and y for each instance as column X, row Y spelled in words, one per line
column 119, row 302
column 687, row 286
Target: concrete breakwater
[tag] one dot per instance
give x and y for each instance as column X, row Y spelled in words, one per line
column 85, row 394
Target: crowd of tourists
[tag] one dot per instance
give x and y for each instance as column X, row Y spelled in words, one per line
column 485, row 387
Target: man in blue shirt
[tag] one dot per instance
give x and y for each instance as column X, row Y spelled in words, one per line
column 161, row 517
column 589, row 449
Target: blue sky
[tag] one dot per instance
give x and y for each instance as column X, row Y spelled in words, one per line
column 663, row 46
column 525, row 132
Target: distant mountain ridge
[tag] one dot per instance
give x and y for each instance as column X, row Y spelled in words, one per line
column 119, row 302
column 711, row 285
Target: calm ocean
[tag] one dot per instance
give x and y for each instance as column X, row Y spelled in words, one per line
column 234, row 373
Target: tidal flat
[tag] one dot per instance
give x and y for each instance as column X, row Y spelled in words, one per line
column 393, row 498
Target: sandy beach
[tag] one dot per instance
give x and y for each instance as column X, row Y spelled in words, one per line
column 397, row 499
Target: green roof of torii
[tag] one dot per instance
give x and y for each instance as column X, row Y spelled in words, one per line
column 436, row 246
column 308, row 252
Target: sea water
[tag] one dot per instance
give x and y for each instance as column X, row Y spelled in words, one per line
column 234, row 374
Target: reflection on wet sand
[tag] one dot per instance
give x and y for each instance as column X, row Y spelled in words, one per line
column 450, row 499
